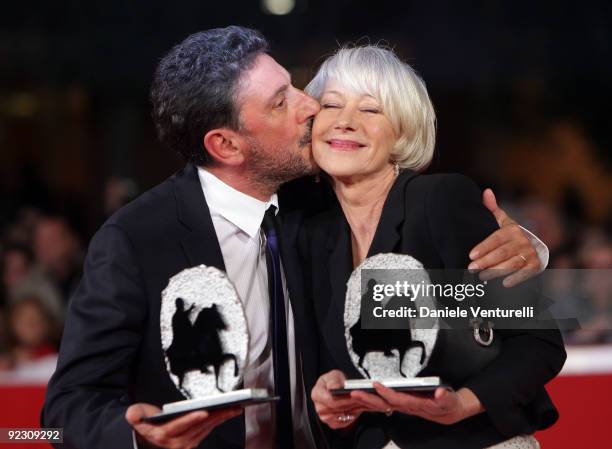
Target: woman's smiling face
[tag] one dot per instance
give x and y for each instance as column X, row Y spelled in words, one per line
column 351, row 135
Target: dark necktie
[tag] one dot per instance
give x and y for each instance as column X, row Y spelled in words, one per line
column 282, row 387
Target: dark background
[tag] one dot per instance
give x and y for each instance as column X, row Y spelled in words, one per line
column 522, row 91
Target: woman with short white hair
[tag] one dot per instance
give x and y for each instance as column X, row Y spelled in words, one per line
column 374, row 136
column 395, row 88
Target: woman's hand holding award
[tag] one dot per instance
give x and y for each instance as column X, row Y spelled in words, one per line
column 383, row 347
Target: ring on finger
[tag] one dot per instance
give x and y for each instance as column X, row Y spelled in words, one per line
column 345, row 418
column 389, row 411
column 523, row 257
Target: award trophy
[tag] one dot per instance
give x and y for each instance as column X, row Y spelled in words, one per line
column 205, row 340
column 384, row 347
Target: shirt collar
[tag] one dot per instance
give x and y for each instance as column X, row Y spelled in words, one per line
column 241, row 209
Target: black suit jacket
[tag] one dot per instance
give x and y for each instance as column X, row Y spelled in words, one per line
column 111, row 352
column 437, row 219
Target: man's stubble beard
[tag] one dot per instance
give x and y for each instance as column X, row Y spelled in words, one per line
column 271, row 172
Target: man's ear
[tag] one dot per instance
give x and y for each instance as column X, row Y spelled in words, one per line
column 225, row 146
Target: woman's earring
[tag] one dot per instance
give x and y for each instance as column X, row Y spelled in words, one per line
column 396, row 168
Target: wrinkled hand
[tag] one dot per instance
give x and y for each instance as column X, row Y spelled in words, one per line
column 506, row 252
column 184, row 432
column 337, row 412
column 445, row 407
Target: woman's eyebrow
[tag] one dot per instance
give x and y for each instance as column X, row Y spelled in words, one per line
column 335, row 92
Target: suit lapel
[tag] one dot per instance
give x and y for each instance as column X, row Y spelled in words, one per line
column 340, row 260
column 291, row 266
column 200, row 244
column 340, row 268
column 388, row 231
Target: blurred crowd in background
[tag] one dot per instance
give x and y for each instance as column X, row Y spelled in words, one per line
column 521, row 93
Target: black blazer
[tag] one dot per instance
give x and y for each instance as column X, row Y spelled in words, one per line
column 111, row 353
column 437, row 219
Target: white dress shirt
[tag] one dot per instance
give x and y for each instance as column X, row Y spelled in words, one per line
column 237, row 221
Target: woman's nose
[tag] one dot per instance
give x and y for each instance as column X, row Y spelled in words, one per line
column 345, row 120
column 344, row 123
